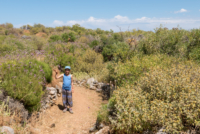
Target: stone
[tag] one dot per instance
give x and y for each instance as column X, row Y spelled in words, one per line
column 100, row 85
column 92, row 129
column 90, row 81
column 6, row 129
column 59, row 90
column 26, row 37
column 47, row 101
column 92, row 87
column 101, row 126
column 52, row 125
column 59, row 95
column 52, row 92
column 98, row 90
column 104, row 130
column 52, row 89
column 47, row 106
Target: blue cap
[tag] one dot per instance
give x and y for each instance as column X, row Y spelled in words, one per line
column 67, row 67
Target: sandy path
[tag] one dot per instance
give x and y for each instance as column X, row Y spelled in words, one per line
column 86, row 104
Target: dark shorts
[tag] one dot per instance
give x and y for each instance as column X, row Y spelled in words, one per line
column 67, row 98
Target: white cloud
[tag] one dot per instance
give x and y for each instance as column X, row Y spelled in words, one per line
column 124, row 22
column 57, row 22
column 181, row 11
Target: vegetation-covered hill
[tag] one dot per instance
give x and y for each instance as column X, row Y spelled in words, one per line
column 157, row 72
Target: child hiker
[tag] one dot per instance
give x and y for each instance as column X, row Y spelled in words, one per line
column 67, row 89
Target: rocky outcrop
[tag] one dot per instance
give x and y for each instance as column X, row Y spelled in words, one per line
column 51, row 96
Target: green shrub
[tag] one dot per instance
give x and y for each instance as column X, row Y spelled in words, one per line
column 165, row 97
column 131, row 70
column 89, row 62
column 65, row 37
column 2, row 37
column 94, row 43
column 117, row 51
column 38, row 42
column 54, row 38
column 25, row 81
column 72, row 36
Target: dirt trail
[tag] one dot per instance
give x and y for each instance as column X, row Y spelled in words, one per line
column 86, row 104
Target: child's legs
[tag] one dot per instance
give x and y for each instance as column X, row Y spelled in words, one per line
column 64, row 97
column 69, row 99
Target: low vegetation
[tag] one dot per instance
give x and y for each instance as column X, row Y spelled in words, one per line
column 156, row 72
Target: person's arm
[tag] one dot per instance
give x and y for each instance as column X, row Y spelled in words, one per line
column 72, row 84
column 57, row 77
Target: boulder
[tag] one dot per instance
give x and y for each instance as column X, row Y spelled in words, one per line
column 98, row 89
column 52, row 92
column 90, row 81
column 93, row 88
column 6, row 129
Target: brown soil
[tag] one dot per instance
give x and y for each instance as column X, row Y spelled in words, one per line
column 26, row 31
column 41, row 34
column 86, row 104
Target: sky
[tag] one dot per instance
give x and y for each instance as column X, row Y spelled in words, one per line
column 105, row 14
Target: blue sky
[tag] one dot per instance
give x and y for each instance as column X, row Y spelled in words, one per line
column 104, row 14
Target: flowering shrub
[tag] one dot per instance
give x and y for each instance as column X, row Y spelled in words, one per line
column 166, row 97
column 25, row 80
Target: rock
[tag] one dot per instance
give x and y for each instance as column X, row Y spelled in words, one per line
column 92, row 129
column 59, row 90
column 52, row 125
column 59, row 95
column 52, row 89
column 92, row 87
column 52, row 92
column 6, row 129
column 95, row 82
column 26, row 37
column 98, row 90
column 47, row 101
column 101, row 126
column 47, row 106
column 100, row 85
column 104, row 130
column 90, row 81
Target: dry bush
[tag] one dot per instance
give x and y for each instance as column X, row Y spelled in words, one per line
column 167, row 98
column 83, row 40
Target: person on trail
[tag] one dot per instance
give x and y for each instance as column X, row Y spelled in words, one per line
column 67, row 89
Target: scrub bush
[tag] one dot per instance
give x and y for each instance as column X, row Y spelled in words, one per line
column 165, row 97
column 117, row 51
column 54, row 38
column 25, row 81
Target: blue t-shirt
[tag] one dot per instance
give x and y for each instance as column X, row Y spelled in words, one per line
column 67, row 82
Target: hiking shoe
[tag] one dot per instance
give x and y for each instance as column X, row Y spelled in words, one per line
column 66, row 109
column 70, row 110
